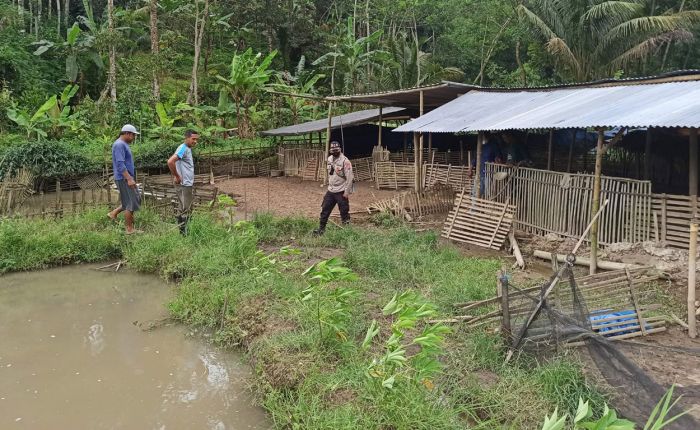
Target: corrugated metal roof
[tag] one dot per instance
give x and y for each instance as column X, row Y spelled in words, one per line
column 672, row 104
column 359, row 117
column 445, row 91
column 433, row 95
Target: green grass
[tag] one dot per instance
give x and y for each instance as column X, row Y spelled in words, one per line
column 227, row 285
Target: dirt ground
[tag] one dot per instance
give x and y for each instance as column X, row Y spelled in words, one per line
column 287, row 196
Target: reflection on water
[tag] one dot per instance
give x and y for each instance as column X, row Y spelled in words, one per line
column 71, row 358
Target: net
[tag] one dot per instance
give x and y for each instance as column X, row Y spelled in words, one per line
column 558, row 315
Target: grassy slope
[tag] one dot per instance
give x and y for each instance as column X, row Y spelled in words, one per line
column 254, row 302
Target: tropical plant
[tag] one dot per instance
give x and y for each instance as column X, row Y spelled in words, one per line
column 409, row 66
column 609, row 419
column 52, row 116
column 395, row 366
column 596, row 39
column 301, row 83
column 331, row 305
column 75, row 48
column 249, row 76
column 351, row 58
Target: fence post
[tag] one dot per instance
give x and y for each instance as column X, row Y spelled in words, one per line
column 505, row 305
column 692, row 255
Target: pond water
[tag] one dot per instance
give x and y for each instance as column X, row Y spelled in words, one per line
column 74, row 355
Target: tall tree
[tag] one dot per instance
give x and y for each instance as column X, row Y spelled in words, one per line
column 153, row 9
column 111, row 88
column 596, row 39
column 200, row 22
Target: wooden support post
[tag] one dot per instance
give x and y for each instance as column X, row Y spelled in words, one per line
column 461, row 153
column 328, row 138
column 430, row 148
column 379, row 138
column 477, row 174
column 596, row 202
column 549, row 150
column 647, row 155
column 693, row 171
column 571, row 150
column 416, row 141
column 58, row 193
column 405, row 146
column 420, row 145
column 692, row 256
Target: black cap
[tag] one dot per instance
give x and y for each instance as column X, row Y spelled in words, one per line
column 335, row 145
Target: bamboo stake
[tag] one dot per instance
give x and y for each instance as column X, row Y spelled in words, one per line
column 596, row 201
column 328, row 137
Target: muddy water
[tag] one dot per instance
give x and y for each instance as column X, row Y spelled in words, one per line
column 72, row 358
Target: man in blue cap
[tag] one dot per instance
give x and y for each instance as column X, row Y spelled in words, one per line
column 340, row 179
column 125, row 177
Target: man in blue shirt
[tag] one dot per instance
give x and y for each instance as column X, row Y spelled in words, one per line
column 125, row 177
column 181, row 166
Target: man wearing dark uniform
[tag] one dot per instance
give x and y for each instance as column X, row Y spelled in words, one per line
column 340, row 179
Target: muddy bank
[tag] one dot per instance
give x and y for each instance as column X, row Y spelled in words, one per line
column 74, row 354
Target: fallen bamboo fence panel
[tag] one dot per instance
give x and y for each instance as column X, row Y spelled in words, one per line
column 560, row 203
column 620, row 306
column 412, row 205
column 15, row 190
column 479, row 222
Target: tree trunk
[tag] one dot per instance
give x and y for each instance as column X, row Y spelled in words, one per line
column 58, row 18
column 31, row 16
column 66, row 12
column 112, row 75
column 192, row 96
column 39, row 8
column 153, row 7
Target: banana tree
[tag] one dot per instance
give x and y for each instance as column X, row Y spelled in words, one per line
column 78, row 46
column 248, row 78
column 53, row 116
column 301, row 83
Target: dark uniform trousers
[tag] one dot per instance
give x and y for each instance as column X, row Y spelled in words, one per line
column 329, row 202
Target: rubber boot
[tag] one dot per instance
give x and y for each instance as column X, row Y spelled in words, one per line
column 319, row 231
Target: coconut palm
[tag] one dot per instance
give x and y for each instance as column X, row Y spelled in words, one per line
column 592, row 39
column 410, row 66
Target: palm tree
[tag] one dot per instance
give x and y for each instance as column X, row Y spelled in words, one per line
column 410, row 66
column 592, row 39
column 351, row 58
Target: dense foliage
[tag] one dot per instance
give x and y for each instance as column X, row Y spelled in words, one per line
column 165, row 65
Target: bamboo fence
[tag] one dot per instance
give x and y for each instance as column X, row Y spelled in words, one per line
column 672, row 216
column 393, row 175
column 446, row 174
column 560, row 203
column 363, row 169
column 15, row 190
column 295, row 160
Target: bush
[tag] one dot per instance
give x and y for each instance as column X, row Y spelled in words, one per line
column 46, row 159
